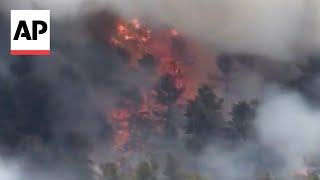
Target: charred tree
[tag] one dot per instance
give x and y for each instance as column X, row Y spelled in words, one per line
column 167, row 91
column 148, row 62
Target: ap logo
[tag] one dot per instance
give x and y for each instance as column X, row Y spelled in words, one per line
column 30, row 32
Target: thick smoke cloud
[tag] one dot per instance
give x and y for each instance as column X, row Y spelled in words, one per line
column 279, row 29
column 287, row 128
column 219, row 163
column 291, row 129
column 48, row 103
column 266, row 27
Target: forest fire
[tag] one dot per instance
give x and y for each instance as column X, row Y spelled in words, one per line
column 144, row 90
column 152, row 50
column 132, row 37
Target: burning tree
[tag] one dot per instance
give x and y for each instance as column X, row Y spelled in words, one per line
column 158, row 57
column 167, row 90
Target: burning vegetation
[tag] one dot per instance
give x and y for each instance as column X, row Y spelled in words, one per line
column 181, row 100
column 160, row 55
column 178, row 102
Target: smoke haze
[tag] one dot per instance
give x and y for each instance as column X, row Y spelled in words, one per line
column 86, row 78
column 292, row 129
column 280, row 29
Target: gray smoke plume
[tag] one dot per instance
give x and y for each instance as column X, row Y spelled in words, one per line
column 280, row 29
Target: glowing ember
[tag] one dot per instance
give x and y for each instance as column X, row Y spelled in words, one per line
column 121, row 138
column 174, row 32
column 121, row 123
column 136, row 23
column 132, row 37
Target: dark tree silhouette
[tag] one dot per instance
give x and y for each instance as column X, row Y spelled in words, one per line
column 170, row 128
column 167, row 92
column 148, row 62
column 306, row 81
column 204, row 113
column 312, row 67
column 243, row 114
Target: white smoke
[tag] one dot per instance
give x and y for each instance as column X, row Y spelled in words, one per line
column 219, row 163
column 266, row 27
column 9, row 171
column 288, row 125
column 288, row 135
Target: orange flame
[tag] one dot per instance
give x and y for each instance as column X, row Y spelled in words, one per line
column 138, row 40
